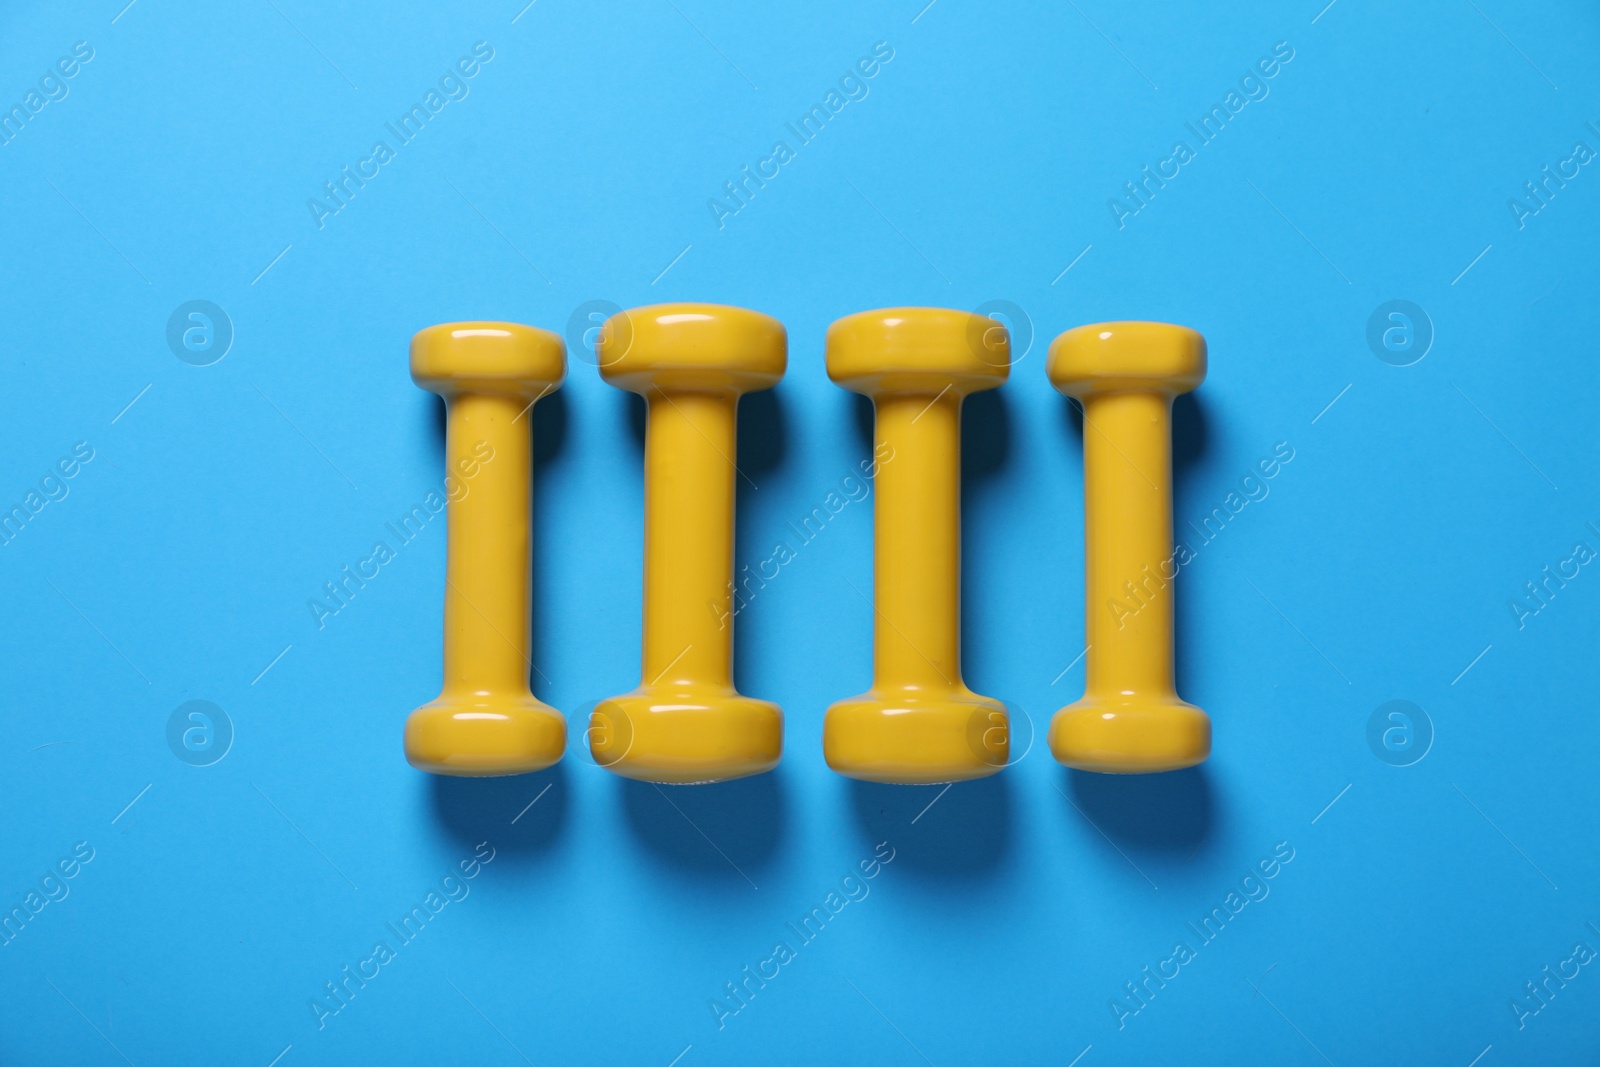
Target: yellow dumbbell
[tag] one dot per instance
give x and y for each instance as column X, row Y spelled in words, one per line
column 1130, row 719
column 486, row 721
column 919, row 723
column 686, row 722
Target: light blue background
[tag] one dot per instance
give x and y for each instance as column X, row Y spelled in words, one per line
column 1380, row 567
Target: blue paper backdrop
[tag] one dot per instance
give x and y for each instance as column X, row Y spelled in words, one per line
column 1434, row 891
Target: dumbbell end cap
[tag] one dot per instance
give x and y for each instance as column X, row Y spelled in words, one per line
column 918, row 350
column 1131, row 737
column 916, row 738
column 484, row 736
column 487, row 357
column 1111, row 357
column 685, row 735
column 692, row 347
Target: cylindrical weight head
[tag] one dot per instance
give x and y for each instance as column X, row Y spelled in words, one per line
column 487, row 357
column 692, row 347
column 1121, row 357
column 911, row 350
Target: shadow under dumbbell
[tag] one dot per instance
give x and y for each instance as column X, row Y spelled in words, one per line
column 1190, row 431
column 864, row 418
column 725, row 830
column 1190, row 436
column 549, row 430
column 1170, row 812
column 635, row 410
column 497, row 810
column 549, row 435
column 763, row 434
column 985, row 445
column 762, row 444
column 437, row 417
column 965, row 833
column 1072, row 424
column 985, row 435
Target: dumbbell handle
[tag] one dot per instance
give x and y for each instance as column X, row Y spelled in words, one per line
column 1127, row 474
column 917, row 548
column 690, row 449
column 488, row 629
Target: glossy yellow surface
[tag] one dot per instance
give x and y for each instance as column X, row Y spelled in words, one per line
column 919, row 723
column 686, row 722
column 486, row 720
column 1130, row 719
